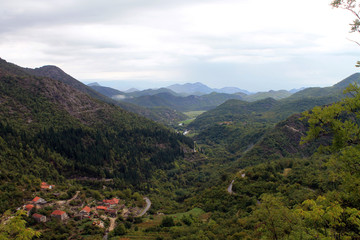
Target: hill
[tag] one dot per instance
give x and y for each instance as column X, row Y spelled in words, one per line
column 283, row 140
column 190, row 88
column 183, row 104
column 334, row 91
column 105, row 94
column 236, row 126
column 52, row 131
column 231, row 90
column 277, row 95
column 109, row 92
column 150, row 92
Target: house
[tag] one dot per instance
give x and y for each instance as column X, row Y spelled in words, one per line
column 111, row 202
column 101, row 208
column 38, row 200
column 44, row 185
column 85, row 211
column 28, row 207
column 39, row 217
column 61, row 215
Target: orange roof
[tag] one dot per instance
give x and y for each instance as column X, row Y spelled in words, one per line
column 36, row 215
column 36, row 199
column 29, row 207
column 111, row 201
column 86, row 209
column 101, row 208
column 58, row 212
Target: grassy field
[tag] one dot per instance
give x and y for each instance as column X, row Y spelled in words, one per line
column 193, row 114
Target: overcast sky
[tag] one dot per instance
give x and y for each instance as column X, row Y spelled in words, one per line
column 254, row 45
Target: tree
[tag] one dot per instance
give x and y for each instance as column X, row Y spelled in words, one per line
column 340, row 120
column 15, row 227
column 354, row 8
column 324, row 219
column 167, row 222
column 274, row 220
column 119, row 230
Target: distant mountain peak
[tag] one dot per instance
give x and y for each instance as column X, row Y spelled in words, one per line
column 94, row 84
column 132, row 90
column 191, row 88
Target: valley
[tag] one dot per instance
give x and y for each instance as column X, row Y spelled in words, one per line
column 183, row 162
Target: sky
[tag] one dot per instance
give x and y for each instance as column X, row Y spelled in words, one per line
column 254, row 45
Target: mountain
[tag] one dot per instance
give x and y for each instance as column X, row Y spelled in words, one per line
column 191, row 88
column 283, row 140
column 295, row 90
column 335, row 90
column 158, row 113
column 149, row 92
column 183, row 104
column 52, row 131
column 237, row 126
column 132, row 90
column 277, row 95
column 93, row 84
column 234, row 111
column 58, row 74
column 354, row 78
column 109, row 92
column 231, row 90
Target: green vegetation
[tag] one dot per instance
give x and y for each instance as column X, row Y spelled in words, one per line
column 92, row 151
column 53, row 132
column 193, row 114
column 182, row 104
column 14, row 227
column 277, row 95
column 159, row 114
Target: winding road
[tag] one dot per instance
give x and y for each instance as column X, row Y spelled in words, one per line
column 229, row 189
column 147, row 207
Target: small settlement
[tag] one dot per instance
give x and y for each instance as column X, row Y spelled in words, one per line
column 97, row 211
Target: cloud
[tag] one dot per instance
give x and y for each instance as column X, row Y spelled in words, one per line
column 175, row 40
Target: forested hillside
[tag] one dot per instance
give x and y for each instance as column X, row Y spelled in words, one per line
column 163, row 115
column 50, row 130
column 237, row 128
column 256, row 170
column 183, row 104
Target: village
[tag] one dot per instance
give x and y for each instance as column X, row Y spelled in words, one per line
column 96, row 211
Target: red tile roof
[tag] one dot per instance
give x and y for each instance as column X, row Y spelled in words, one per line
column 36, row 215
column 101, row 208
column 111, row 201
column 86, row 209
column 36, row 199
column 58, row 212
column 29, row 207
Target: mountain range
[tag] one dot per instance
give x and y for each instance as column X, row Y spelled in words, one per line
column 241, row 173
